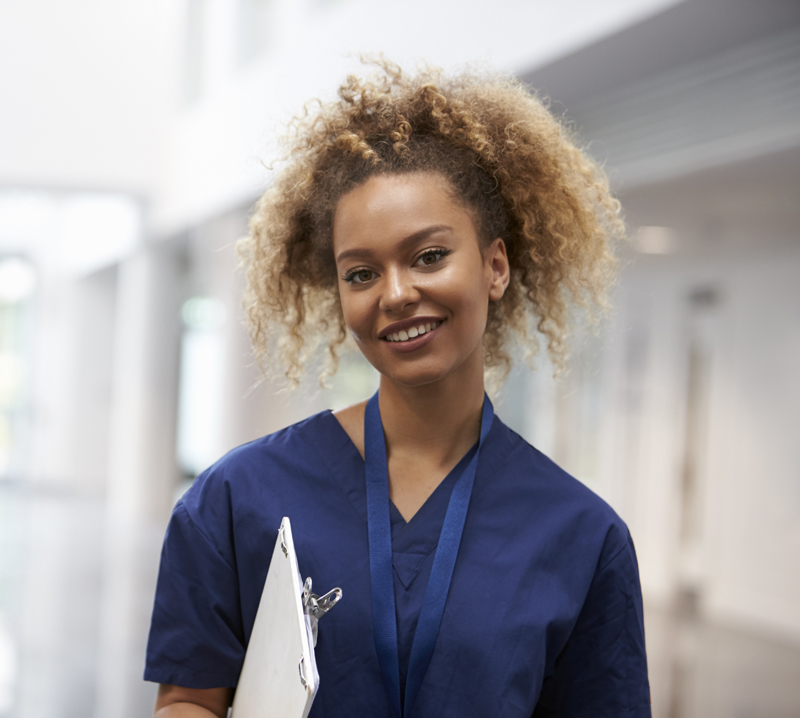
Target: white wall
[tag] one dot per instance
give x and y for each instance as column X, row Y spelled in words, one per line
column 752, row 505
column 93, row 92
column 84, row 90
column 620, row 421
column 215, row 146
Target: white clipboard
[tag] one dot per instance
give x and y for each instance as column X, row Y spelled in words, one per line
column 279, row 677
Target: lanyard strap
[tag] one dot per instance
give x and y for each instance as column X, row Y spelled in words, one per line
column 380, row 560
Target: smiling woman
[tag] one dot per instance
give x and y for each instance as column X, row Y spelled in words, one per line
column 507, row 162
column 431, row 219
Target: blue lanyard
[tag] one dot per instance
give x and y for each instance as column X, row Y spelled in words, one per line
column 380, row 560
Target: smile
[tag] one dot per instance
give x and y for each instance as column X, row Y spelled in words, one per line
column 411, row 333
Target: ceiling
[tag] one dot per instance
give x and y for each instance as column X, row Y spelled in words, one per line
column 758, row 199
column 748, row 203
column 683, row 34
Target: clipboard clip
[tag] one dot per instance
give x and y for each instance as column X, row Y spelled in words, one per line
column 315, row 607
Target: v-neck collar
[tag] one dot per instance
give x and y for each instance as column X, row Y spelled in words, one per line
column 431, row 508
column 341, row 458
column 413, row 541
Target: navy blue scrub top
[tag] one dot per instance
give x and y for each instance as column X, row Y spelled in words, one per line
column 544, row 613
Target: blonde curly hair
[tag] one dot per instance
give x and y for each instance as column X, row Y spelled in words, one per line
column 508, row 161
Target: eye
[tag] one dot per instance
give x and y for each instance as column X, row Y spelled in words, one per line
column 359, row 275
column 431, row 256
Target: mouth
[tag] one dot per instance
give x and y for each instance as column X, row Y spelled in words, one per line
column 412, row 332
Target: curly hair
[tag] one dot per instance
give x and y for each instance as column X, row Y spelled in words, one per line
column 508, row 161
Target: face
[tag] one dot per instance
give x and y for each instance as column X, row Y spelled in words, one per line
column 415, row 285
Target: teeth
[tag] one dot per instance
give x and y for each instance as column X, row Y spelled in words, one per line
column 404, row 336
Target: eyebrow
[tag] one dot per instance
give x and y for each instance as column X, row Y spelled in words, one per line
column 404, row 244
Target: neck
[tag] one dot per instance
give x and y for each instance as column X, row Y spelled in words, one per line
column 439, row 421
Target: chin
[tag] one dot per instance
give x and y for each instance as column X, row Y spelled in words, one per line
column 417, row 380
column 424, row 371
column 416, row 376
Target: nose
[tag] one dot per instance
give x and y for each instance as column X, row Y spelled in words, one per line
column 399, row 291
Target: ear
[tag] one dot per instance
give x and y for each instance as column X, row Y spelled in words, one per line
column 497, row 261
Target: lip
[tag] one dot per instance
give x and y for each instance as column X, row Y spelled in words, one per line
column 404, row 324
column 417, row 342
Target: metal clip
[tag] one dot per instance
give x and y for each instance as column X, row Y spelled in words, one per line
column 315, row 607
column 300, row 667
column 284, row 547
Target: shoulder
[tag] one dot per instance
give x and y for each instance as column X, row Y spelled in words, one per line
column 260, row 472
column 291, row 443
column 544, row 489
column 352, row 421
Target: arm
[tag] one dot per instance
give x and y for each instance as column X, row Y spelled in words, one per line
column 179, row 702
column 196, row 634
column 602, row 670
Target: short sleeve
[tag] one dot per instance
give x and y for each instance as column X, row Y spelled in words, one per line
column 196, row 637
column 602, row 670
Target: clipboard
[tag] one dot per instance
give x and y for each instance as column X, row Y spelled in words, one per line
column 279, row 677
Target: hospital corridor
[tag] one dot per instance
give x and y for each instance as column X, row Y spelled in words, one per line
column 135, row 139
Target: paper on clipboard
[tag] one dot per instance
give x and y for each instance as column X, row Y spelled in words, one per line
column 279, row 677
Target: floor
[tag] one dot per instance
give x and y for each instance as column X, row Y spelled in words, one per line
column 702, row 670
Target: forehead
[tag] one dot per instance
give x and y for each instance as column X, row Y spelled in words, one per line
column 392, row 207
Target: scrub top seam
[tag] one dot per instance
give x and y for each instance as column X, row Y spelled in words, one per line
column 634, row 711
column 182, row 506
column 490, row 476
column 342, row 430
column 418, row 567
column 177, row 674
column 613, row 558
column 330, row 473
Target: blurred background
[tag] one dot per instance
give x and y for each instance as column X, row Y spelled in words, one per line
column 133, row 138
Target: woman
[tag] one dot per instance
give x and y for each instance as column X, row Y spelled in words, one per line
column 431, row 220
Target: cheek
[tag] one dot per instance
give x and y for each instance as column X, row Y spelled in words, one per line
column 472, row 294
column 479, row 310
column 475, row 311
column 354, row 314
